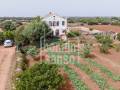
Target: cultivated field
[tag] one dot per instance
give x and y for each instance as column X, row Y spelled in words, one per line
column 98, row 27
column 105, row 27
column 97, row 73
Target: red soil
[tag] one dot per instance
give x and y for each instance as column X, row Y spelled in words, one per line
column 107, row 61
column 87, row 80
column 105, row 27
column 68, row 84
column 116, row 84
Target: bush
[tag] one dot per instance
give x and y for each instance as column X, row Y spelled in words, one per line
column 118, row 36
column 73, row 34
column 104, row 48
column 105, row 41
column 8, row 25
column 31, row 50
column 117, row 47
column 8, row 35
column 40, row 77
column 86, row 50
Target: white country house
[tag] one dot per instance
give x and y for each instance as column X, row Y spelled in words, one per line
column 57, row 23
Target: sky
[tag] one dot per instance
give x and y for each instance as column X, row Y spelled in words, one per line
column 28, row 8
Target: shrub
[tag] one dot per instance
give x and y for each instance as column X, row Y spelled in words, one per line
column 8, row 25
column 41, row 76
column 105, row 41
column 117, row 47
column 31, row 50
column 8, row 35
column 86, row 50
column 73, row 34
column 104, row 48
column 118, row 36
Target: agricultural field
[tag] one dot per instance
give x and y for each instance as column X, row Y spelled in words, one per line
column 105, row 27
column 77, row 26
column 97, row 73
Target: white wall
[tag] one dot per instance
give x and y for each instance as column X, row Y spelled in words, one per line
column 53, row 17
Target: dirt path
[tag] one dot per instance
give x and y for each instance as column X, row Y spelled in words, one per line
column 7, row 57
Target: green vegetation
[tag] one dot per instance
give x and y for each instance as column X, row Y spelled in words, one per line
column 41, row 76
column 1, row 38
column 77, row 82
column 73, row 34
column 117, row 47
column 8, row 26
column 102, row 82
column 31, row 50
column 118, row 36
column 6, row 35
column 105, row 41
column 9, row 35
column 86, row 50
column 95, row 20
column 104, row 70
column 32, row 33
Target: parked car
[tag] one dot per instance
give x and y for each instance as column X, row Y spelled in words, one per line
column 8, row 43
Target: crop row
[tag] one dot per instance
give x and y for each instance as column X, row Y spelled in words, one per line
column 101, row 82
column 77, row 82
column 104, row 70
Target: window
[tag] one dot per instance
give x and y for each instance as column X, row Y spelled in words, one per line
column 57, row 23
column 50, row 23
column 57, row 32
column 63, row 23
column 54, row 23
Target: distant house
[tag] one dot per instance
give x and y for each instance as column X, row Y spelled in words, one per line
column 57, row 23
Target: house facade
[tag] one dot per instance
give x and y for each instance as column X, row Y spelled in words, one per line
column 57, row 23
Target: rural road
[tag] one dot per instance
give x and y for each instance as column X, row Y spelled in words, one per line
column 7, row 59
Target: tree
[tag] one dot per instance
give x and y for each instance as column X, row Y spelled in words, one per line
column 8, row 25
column 20, row 40
column 35, row 30
column 41, row 76
column 8, row 35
